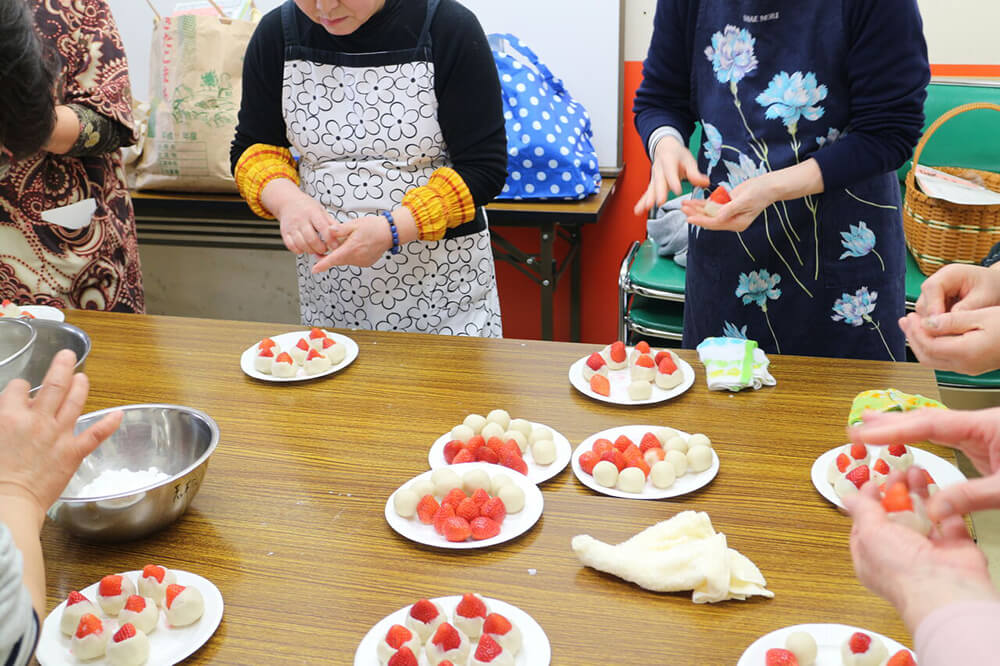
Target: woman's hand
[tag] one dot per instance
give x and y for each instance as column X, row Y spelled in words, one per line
column 38, row 451
column 672, row 163
column 962, row 341
column 916, row 574
column 304, row 221
column 360, row 242
column 975, row 433
column 748, row 200
column 957, row 288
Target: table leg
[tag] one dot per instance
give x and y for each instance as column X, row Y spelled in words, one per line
column 546, row 274
column 574, row 285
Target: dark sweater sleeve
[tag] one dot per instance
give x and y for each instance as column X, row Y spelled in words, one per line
column 664, row 96
column 888, row 72
column 470, row 108
column 260, row 119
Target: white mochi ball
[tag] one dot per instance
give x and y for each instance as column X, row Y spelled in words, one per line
column 640, row 390
column 544, row 452
column 678, row 460
column 521, row 425
column 474, row 480
column 699, row 439
column 631, row 480
column 499, row 481
column 803, row 646
column 606, row 474
column 512, row 497
column 665, row 435
column 676, row 444
column 517, row 436
column 500, row 417
column 491, row 430
column 539, row 432
column 462, row 433
column 662, row 474
column 445, row 480
column 476, row 422
column 405, row 502
column 699, row 458
column 422, row 487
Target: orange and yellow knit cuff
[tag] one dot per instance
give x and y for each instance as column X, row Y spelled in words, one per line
column 444, row 202
column 259, row 165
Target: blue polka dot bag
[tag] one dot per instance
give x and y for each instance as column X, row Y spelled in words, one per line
column 550, row 152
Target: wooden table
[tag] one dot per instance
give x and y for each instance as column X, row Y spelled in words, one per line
column 225, row 221
column 289, row 521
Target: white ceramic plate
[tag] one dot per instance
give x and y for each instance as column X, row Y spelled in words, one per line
column 945, row 474
column 513, row 526
column 288, row 340
column 619, row 380
column 829, row 638
column 44, row 312
column 535, row 647
column 166, row 645
column 536, row 473
column 685, row 484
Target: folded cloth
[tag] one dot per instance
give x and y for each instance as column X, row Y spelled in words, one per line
column 734, row 364
column 889, row 400
column 675, row 555
column 668, row 229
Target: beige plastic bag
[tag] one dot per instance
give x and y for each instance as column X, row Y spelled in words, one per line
column 196, row 68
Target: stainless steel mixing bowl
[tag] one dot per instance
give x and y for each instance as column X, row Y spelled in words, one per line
column 51, row 336
column 176, row 440
column 17, row 342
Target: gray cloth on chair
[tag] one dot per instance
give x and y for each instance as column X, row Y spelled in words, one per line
column 668, row 229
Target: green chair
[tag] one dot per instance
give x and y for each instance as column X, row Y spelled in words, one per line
column 650, row 294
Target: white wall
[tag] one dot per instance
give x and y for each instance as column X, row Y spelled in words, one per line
column 962, row 32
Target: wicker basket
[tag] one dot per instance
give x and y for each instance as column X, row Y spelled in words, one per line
column 939, row 232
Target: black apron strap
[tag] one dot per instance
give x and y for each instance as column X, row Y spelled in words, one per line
column 289, row 24
column 425, row 32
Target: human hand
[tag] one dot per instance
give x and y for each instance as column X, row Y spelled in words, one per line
column 38, row 451
column 958, row 287
column 916, row 574
column 748, row 200
column 975, row 433
column 962, row 341
column 360, row 242
column 305, row 224
column 672, row 163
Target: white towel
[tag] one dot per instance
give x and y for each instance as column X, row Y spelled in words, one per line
column 734, row 364
column 682, row 553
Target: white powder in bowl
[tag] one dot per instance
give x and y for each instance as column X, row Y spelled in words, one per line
column 114, row 481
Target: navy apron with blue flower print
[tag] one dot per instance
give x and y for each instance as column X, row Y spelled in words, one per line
column 818, row 276
column 366, row 128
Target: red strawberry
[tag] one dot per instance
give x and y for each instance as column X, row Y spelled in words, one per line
column 494, row 509
column 587, row 461
column 496, row 445
column 404, row 657
column 480, row 497
column 426, row 508
column 111, row 586
column 154, row 571
column 467, row 509
column 446, row 637
column 595, row 361
column 780, row 657
column 475, row 442
column 444, row 513
column 172, row 592
column 881, row 466
column 397, row 635
column 89, row 624
column 456, row 529
column 859, row 642
column 315, row 333
column 897, row 498
column 666, row 365
column 600, row 385
column 75, row 598
column 720, row 196
column 463, row 456
column 649, row 441
column 496, row 624
column 487, row 455
column 454, row 497
column 858, row 451
column 424, row 611
column 126, row 631
column 285, row 357
column 927, row 475
column 471, row 606
column 484, row 528
column 616, row 458
column 601, row 446
column 901, row 658
column 642, row 347
column 641, row 464
column 509, row 448
column 302, row 344
column 645, row 361
column 5, row 303
column 451, row 449
column 632, row 452
column 859, row 476
column 267, row 343
column 266, row 353
column 623, row 443
column 313, row 354
column 617, row 351
column 327, row 343
column 488, row 649
column 843, row 462
column 135, row 603
column 654, row 456
column 446, row 662
column 897, row 449
column 515, row 462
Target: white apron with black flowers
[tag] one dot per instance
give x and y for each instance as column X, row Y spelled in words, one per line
column 366, row 128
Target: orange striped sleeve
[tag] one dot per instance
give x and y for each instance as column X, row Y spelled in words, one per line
column 444, row 202
column 259, row 165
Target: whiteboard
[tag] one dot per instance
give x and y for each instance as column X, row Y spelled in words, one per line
column 579, row 40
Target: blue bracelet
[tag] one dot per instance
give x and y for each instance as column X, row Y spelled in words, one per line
column 395, row 232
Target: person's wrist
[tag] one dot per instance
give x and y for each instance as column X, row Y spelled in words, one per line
column 16, row 500
column 394, row 246
column 919, row 596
